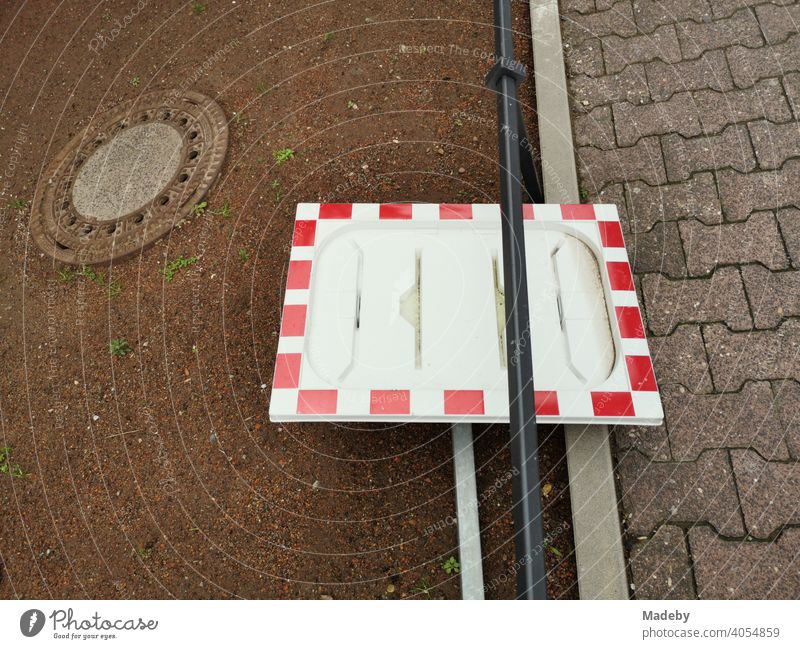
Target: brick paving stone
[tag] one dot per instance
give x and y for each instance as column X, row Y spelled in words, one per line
column 662, row 44
column 657, row 251
column 769, row 492
column 676, row 115
column 773, row 296
column 680, row 358
column 643, row 161
column 629, row 85
column 755, row 240
column 765, row 100
column 695, row 198
column 660, row 566
column 778, row 22
column 765, row 355
column 741, row 28
column 650, row 14
column 615, row 194
column 658, row 492
column 745, row 569
column 698, row 422
column 709, row 71
column 787, row 402
column 586, row 58
column 731, row 148
column 749, row 65
column 775, row 143
column 577, row 6
column 789, row 220
column 791, row 83
column 618, row 19
column 742, row 194
column 719, row 298
column 595, row 128
column 653, row 441
column 726, row 8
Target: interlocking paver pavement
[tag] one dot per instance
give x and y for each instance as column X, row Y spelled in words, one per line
column 660, row 566
column 686, row 116
column 743, row 569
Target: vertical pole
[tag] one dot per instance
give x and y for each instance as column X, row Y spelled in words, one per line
column 469, row 528
column 527, row 508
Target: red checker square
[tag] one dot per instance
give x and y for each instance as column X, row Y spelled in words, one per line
column 287, row 371
column 527, row 212
column 294, row 320
column 612, row 404
column 463, row 402
column 390, row 402
column 336, row 210
column 299, row 276
column 640, row 371
column 630, row 322
column 316, row 402
column 546, row 402
column 619, row 275
column 577, row 212
column 395, row 211
column 611, row 234
column 450, row 212
column 304, row 233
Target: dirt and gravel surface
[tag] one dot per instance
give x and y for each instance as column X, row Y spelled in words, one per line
column 157, row 473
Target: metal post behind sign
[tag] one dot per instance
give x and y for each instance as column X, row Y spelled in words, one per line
column 504, row 78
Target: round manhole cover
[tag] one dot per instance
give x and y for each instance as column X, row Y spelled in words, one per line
column 128, row 179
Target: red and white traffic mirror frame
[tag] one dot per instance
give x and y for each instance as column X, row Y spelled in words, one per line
column 350, row 346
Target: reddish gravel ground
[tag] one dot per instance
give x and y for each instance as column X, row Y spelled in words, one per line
column 158, row 474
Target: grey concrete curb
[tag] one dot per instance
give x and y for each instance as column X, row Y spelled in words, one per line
column 595, row 516
column 469, row 528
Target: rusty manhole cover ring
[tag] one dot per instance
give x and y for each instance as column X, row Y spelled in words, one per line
column 129, row 177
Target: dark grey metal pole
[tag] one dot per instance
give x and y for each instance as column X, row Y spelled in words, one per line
column 529, row 537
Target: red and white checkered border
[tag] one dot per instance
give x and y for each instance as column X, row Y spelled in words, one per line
column 629, row 396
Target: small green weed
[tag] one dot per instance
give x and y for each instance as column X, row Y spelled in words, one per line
column 66, row 275
column 225, row 212
column 584, row 194
column 351, row 105
column 283, row 155
column 240, row 122
column 119, row 347
column 200, row 208
column 19, row 204
column 92, row 275
column 276, row 185
column 9, row 468
column 198, row 8
column 243, row 255
column 553, row 549
column 423, row 587
column 328, row 37
column 114, row 288
column 174, row 266
column 451, row 566
column 136, row 82
column 144, row 553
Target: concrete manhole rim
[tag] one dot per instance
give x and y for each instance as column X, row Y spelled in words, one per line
column 74, row 238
